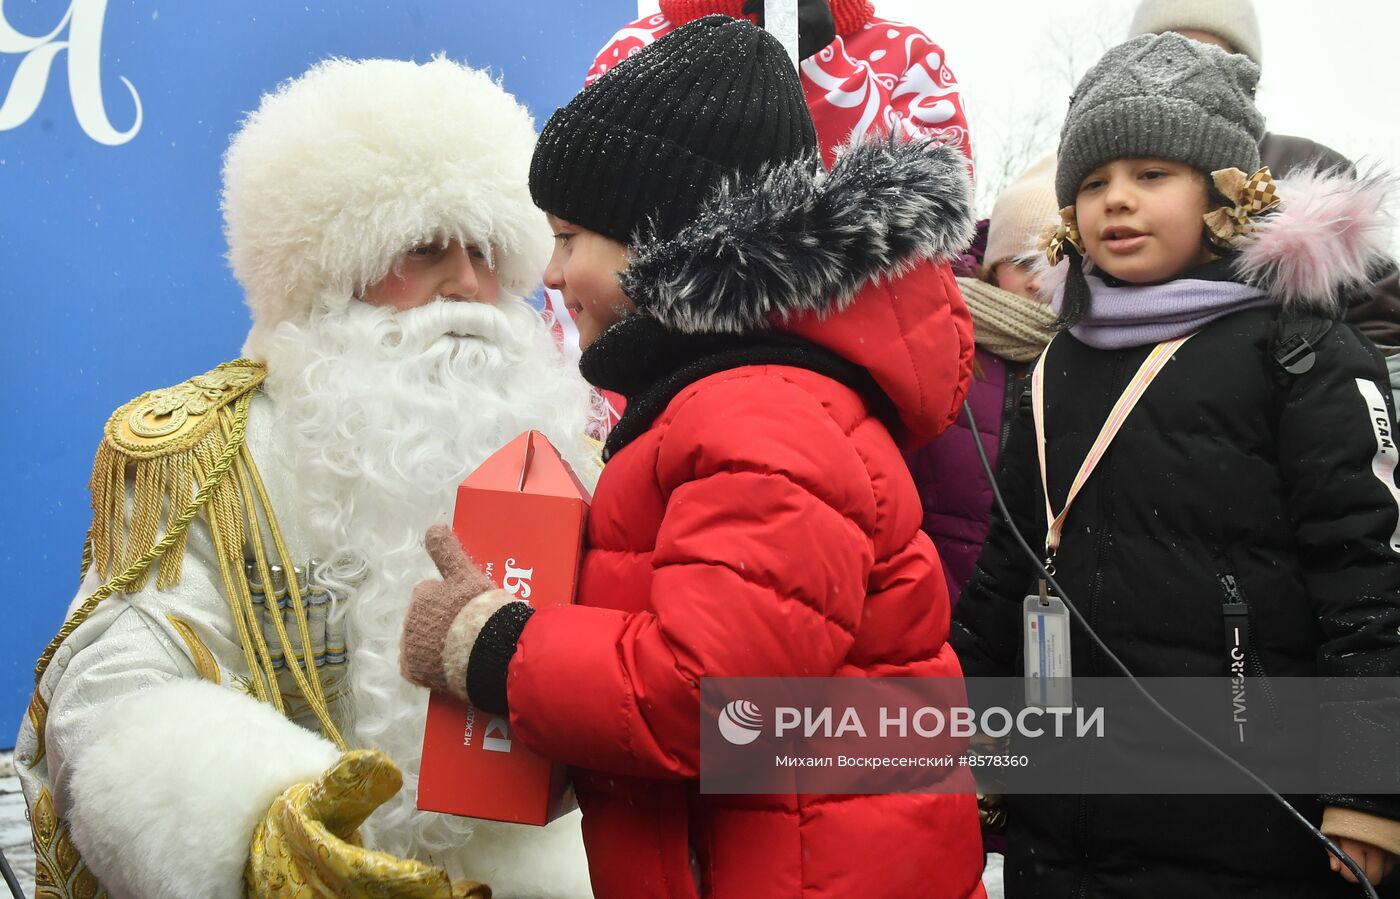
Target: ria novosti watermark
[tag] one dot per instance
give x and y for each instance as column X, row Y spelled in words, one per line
column 857, row 735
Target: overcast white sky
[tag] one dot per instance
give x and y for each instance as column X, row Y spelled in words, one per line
column 1331, row 71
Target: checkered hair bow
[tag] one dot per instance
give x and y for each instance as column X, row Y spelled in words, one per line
column 1054, row 238
column 1253, row 196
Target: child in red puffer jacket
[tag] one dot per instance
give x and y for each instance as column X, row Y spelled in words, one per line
column 779, row 331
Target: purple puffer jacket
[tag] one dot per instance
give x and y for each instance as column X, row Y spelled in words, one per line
column 956, row 497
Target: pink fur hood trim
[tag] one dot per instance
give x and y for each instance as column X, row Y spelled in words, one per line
column 1330, row 235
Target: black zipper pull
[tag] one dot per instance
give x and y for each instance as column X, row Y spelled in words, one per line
column 1236, row 615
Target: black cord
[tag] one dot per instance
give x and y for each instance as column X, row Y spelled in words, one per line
column 1332, row 847
column 11, row 880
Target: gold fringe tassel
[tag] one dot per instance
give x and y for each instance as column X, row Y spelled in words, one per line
column 106, row 544
column 204, row 468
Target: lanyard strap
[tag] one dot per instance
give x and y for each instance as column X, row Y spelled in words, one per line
column 1154, row 363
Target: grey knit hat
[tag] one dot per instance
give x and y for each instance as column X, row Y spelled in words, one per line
column 1166, row 96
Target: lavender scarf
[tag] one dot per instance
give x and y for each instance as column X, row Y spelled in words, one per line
column 1121, row 317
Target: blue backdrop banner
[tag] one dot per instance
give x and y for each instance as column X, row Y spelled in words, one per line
column 113, row 120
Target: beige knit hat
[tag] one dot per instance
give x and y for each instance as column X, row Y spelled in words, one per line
column 1231, row 20
column 1022, row 210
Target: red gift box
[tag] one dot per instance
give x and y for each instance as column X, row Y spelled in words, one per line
column 521, row 517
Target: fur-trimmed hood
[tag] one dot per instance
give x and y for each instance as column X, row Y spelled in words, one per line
column 803, row 240
column 344, row 168
column 1329, row 236
column 854, row 261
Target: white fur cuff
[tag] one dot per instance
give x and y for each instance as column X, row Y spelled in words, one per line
column 165, row 797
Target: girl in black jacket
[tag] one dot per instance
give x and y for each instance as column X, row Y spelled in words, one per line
column 1238, row 477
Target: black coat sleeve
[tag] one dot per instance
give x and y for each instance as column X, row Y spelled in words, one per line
column 1338, row 456
column 986, row 627
column 1375, row 308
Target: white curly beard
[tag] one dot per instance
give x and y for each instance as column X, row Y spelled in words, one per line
column 382, row 415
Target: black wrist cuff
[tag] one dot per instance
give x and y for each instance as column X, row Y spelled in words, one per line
column 490, row 659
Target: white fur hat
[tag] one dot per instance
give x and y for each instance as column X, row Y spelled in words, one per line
column 1232, row 20
column 342, row 169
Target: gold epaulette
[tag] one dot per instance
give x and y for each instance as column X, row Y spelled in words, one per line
column 174, row 419
column 170, row 456
column 156, row 452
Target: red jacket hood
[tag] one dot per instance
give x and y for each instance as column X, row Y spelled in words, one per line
column 854, row 260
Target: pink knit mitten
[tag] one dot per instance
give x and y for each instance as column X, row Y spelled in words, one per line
column 444, row 617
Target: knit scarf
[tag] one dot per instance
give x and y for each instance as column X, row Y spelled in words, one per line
column 1125, row 315
column 1004, row 324
column 850, row 15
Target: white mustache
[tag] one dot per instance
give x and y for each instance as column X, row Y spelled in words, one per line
column 440, row 318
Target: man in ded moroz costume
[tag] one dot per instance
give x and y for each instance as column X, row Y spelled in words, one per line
column 222, row 714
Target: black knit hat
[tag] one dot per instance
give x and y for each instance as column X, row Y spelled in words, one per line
column 655, row 136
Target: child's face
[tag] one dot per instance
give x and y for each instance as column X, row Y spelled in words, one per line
column 1018, row 278
column 1140, row 219
column 584, row 268
column 424, row 273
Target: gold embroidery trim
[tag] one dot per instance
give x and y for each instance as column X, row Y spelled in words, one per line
column 174, row 419
column 306, row 845
column 38, row 719
column 203, row 659
column 59, row 871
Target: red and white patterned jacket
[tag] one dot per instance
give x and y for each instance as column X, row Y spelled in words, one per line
column 877, row 75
